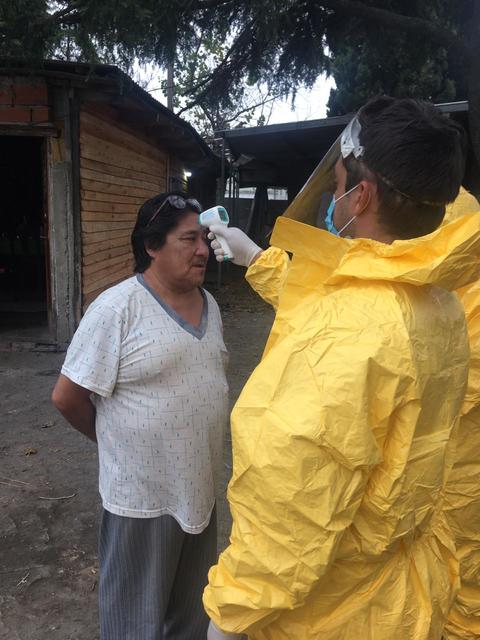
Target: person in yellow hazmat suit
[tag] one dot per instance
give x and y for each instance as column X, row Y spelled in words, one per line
column 462, row 504
column 341, row 436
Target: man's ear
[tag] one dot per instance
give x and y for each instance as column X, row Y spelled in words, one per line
column 363, row 197
column 149, row 250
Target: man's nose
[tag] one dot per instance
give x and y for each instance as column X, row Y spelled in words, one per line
column 202, row 247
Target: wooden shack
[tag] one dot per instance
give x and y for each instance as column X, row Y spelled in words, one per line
column 81, row 148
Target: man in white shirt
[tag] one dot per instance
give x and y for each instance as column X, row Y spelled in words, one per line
column 144, row 377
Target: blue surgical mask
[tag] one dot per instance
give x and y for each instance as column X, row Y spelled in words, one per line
column 330, row 211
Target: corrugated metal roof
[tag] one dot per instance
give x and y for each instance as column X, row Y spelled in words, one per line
column 283, row 154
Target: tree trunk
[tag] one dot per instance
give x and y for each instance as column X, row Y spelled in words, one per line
column 473, row 79
column 170, row 85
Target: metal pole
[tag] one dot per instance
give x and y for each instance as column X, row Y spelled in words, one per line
column 222, row 174
column 222, row 202
column 236, row 195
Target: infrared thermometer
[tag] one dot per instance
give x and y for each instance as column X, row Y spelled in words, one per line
column 217, row 215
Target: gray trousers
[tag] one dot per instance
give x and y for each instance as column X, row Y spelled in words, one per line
column 152, row 576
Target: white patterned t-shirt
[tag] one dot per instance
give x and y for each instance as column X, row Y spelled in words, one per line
column 161, row 398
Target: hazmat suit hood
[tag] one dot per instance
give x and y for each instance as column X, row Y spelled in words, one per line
column 464, row 204
column 449, row 257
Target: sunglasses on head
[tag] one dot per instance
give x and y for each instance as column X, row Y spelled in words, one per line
column 176, row 202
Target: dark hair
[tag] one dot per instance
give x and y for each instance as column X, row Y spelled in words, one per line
column 417, row 156
column 153, row 236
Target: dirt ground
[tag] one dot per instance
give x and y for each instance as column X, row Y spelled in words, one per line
column 49, row 503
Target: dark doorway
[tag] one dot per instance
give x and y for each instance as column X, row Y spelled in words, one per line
column 23, row 224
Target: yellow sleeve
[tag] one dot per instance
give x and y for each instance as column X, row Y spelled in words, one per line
column 267, row 275
column 303, row 448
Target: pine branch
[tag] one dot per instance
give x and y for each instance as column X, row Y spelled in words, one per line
column 398, row 21
column 73, row 13
column 252, row 107
column 208, row 115
column 211, row 4
column 208, row 82
column 240, row 41
column 222, row 69
column 60, row 15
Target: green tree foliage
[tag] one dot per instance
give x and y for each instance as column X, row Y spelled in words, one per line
column 278, row 42
column 244, row 104
column 281, row 43
column 426, row 48
column 369, row 59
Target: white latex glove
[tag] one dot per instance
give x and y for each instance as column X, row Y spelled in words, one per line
column 244, row 250
column 214, row 633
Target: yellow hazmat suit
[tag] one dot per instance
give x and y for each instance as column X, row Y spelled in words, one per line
column 340, row 440
column 463, row 485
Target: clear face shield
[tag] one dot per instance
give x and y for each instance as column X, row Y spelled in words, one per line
column 311, row 203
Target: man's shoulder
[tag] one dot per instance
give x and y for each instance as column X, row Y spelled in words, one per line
column 117, row 297
column 212, row 303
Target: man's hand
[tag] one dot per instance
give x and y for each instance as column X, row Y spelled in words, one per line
column 73, row 402
column 214, row 633
column 244, row 250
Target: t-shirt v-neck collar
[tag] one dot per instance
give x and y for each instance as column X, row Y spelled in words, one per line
column 196, row 332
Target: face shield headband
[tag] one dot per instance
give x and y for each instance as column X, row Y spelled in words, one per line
column 350, row 140
column 350, row 145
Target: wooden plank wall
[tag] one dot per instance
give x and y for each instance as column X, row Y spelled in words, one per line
column 118, row 172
